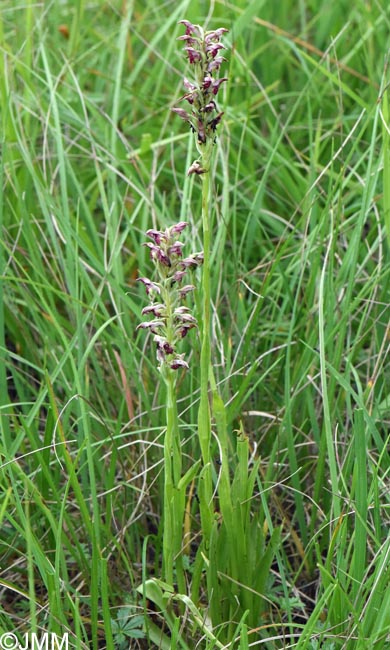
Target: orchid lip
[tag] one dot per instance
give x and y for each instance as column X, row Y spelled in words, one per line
column 179, row 363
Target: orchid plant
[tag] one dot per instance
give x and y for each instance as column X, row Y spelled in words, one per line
column 233, row 557
column 171, row 319
column 203, row 51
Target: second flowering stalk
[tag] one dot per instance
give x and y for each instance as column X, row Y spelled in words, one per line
column 171, row 321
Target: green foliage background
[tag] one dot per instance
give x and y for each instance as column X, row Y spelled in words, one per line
column 91, row 157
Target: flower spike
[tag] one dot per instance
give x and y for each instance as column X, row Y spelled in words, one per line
column 202, row 50
column 171, row 319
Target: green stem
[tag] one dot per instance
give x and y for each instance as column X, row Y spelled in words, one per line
column 174, row 498
column 205, row 351
column 386, row 163
column 168, row 552
column 204, row 416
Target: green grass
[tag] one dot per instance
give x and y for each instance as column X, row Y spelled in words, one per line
column 91, row 157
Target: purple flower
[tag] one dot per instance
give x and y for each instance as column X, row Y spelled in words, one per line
column 171, row 320
column 153, row 325
column 214, row 36
column 175, row 249
column 179, row 363
column 214, row 123
column 210, row 107
column 149, row 285
column 196, row 168
column 215, row 64
column 188, row 39
column 179, row 311
column 164, row 345
column 157, row 310
column 187, row 84
column 217, row 83
column 178, row 276
column 202, row 50
column 156, row 253
column 201, row 131
column 183, row 331
column 156, row 235
column 214, row 48
column 194, row 56
column 190, row 98
column 182, row 113
column 190, row 28
column 185, row 325
column 178, row 227
column 184, row 290
column 193, row 261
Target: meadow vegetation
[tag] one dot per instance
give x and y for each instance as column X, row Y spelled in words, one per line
column 295, row 553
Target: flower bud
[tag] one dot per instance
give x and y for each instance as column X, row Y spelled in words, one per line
column 178, row 227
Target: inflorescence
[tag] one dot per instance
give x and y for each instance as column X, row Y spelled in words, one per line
column 203, row 53
column 171, row 319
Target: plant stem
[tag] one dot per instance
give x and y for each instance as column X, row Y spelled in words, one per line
column 173, row 496
column 171, row 419
column 204, row 416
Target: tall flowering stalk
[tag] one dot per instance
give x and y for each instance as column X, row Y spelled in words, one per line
column 170, row 322
column 203, row 51
column 233, row 562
